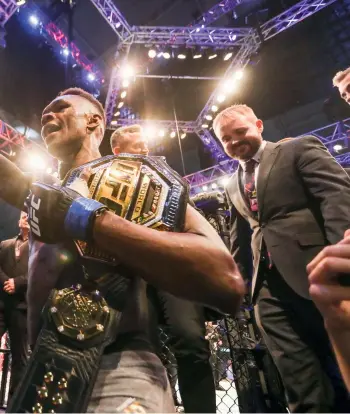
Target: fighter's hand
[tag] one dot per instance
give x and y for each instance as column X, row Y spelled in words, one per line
column 60, row 213
column 331, row 297
column 9, row 286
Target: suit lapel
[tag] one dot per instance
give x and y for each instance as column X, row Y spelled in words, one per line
column 267, row 161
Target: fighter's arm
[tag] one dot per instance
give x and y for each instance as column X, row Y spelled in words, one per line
column 194, row 264
column 327, row 182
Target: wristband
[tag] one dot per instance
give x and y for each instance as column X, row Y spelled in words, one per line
column 79, row 218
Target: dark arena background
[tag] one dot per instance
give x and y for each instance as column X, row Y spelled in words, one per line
column 170, row 65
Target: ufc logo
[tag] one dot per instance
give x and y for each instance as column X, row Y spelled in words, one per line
column 33, row 219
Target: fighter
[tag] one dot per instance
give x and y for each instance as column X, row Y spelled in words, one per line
column 196, row 263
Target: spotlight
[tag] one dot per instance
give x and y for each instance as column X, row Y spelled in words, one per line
column 117, row 25
column 197, row 55
column 239, row 74
column 214, row 108
column 228, row 56
column 55, row 174
column 166, row 55
column 212, row 56
column 172, row 134
column 181, row 56
column 125, row 83
column 160, row 54
column 20, row 2
column 230, row 85
column 49, row 170
column 205, row 188
column 161, row 133
column 123, row 94
column 205, row 126
column 337, row 147
column 221, row 98
column 214, row 185
column 152, row 53
column 65, row 51
column 36, row 162
column 91, row 77
column 183, row 135
column 117, row 113
column 150, row 131
column 224, row 181
column 33, row 20
column 209, row 117
column 114, row 122
column 120, row 105
column 127, row 71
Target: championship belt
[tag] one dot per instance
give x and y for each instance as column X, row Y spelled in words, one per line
column 80, row 321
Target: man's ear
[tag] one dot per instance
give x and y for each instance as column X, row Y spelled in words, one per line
column 94, row 121
column 260, row 125
column 116, row 150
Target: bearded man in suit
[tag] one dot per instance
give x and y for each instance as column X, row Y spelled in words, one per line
column 288, row 200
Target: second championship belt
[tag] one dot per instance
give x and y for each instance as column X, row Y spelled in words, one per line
column 81, row 320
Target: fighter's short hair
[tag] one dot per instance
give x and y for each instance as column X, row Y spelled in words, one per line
column 285, row 139
column 340, row 76
column 88, row 97
column 118, row 135
column 230, row 111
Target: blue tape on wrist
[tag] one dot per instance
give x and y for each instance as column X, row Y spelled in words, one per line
column 78, row 219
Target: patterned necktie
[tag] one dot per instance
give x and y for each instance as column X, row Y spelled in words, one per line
column 249, row 185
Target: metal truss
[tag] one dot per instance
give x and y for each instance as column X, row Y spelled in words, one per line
column 292, row 16
column 217, row 11
column 330, row 135
column 7, row 9
column 218, row 37
column 10, row 138
column 189, row 127
column 114, row 18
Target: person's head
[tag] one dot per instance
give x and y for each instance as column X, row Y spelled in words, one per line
column 23, row 221
column 239, row 131
column 71, row 119
column 285, row 139
column 129, row 139
column 342, row 81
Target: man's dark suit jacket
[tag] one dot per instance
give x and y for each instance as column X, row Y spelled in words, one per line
column 304, row 205
column 16, row 269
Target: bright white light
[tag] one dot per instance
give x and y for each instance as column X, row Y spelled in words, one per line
column 166, row 55
column 35, row 161
column 230, row 85
column 214, row 108
column 114, row 122
column 221, row 98
column 213, row 56
column 117, row 113
column 49, row 170
column 150, row 131
column 172, row 134
column 228, row 56
column 117, row 25
column 198, row 29
column 33, row 20
column 239, row 74
column 152, row 53
column 20, row 2
column 123, row 94
column 197, row 56
column 160, row 54
column 161, row 133
column 209, row 117
column 91, row 77
column 214, row 185
column 127, row 71
column 181, row 56
column 337, row 147
column 205, row 126
column 120, row 105
column 55, row 174
column 205, row 188
column 183, row 135
column 224, row 181
column 125, row 83
column 65, row 51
